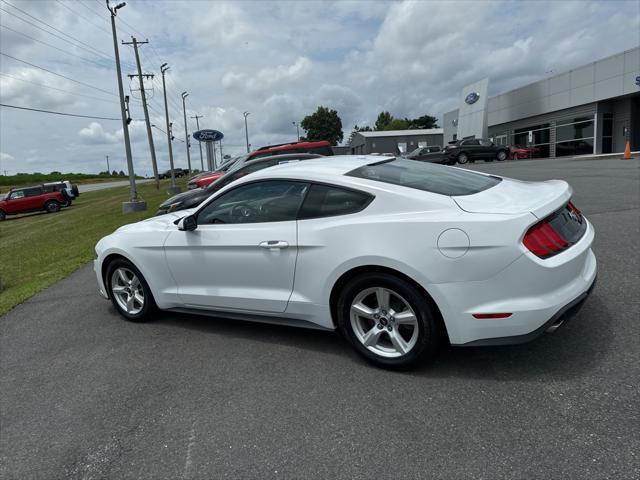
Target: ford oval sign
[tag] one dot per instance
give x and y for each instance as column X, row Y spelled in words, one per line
column 472, row 98
column 208, row 135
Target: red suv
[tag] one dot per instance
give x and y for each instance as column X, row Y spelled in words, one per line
column 321, row 147
column 30, row 199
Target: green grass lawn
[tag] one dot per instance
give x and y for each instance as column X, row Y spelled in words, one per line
column 26, row 179
column 39, row 249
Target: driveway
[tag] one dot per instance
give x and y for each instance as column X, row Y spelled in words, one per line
column 85, row 394
column 92, row 187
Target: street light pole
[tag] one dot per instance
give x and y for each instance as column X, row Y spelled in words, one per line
column 199, row 142
column 297, row 129
column 186, row 131
column 108, row 171
column 246, row 129
column 172, row 189
column 134, row 205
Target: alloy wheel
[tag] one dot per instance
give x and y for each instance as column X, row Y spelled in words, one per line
column 127, row 290
column 384, row 322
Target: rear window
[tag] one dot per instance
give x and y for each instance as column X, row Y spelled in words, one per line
column 329, row 201
column 428, row 177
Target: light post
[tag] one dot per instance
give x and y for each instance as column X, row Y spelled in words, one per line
column 297, row 129
column 186, row 132
column 246, row 129
column 172, row 189
column 134, row 205
column 197, row 117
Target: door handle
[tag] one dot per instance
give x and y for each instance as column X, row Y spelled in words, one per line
column 273, row 244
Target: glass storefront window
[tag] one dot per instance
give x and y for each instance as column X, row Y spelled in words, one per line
column 574, row 131
column 575, row 147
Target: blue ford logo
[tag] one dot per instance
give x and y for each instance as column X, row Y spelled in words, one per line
column 208, row 135
column 472, row 98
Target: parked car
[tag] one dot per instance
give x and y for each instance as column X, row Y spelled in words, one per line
column 394, row 253
column 70, row 191
column 193, row 198
column 433, row 154
column 202, row 181
column 177, row 172
column 520, row 152
column 30, row 199
column 472, row 149
column 320, row 147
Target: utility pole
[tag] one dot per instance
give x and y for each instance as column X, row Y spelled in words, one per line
column 246, row 129
column 186, row 130
column 199, row 142
column 108, row 171
column 221, row 157
column 297, row 129
column 135, row 205
column 152, row 148
column 172, row 189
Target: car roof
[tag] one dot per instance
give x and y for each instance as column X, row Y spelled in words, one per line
column 319, row 168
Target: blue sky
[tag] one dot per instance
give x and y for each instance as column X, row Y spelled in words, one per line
column 278, row 60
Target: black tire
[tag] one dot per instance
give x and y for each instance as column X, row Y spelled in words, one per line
column 462, row 158
column 3, row 216
column 501, row 156
column 74, row 189
column 52, row 206
column 149, row 304
column 67, row 203
column 428, row 336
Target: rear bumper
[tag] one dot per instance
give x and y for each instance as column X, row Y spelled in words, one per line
column 563, row 315
column 535, row 292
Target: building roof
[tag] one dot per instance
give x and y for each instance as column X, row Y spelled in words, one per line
column 403, row 133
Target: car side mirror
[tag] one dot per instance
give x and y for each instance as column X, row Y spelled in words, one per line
column 188, row 223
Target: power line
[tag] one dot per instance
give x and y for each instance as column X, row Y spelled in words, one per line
column 59, row 89
column 58, row 74
column 57, row 113
column 84, row 18
column 57, row 30
column 52, row 46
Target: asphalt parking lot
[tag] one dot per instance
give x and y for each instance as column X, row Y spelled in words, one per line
column 84, row 394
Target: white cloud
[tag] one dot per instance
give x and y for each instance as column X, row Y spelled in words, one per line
column 280, row 60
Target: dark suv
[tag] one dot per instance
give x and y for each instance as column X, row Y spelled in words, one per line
column 193, row 198
column 472, row 149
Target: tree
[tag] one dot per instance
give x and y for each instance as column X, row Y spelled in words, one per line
column 384, row 119
column 114, row 174
column 355, row 130
column 121, row 174
column 324, row 124
column 425, row 121
column 398, row 124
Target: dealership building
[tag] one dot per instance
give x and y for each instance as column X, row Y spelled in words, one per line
column 396, row 142
column 592, row 109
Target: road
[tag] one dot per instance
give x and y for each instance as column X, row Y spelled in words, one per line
column 92, row 187
column 84, row 394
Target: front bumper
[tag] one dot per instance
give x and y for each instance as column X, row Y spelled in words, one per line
column 102, row 290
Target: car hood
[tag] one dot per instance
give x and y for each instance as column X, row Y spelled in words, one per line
column 162, row 222
column 181, row 197
column 515, row 196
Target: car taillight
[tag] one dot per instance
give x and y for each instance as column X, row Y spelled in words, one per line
column 543, row 240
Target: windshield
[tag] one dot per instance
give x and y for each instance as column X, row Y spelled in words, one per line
column 426, row 176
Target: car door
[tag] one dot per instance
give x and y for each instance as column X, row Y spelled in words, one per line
column 16, row 202
column 488, row 149
column 473, row 147
column 242, row 255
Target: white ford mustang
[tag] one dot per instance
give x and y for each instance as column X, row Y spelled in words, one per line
column 392, row 252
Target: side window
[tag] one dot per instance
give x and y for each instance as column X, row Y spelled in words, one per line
column 32, row 192
column 326, row 151
column 267, row 201
column 327, row 201
column 486, row 143
column 17, row 194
